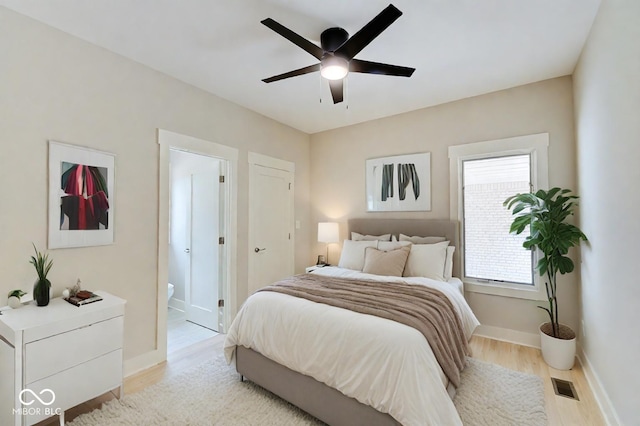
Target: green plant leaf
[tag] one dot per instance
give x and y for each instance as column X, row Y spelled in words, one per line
column 16, row 293
column 41, row 263
column 565, row 265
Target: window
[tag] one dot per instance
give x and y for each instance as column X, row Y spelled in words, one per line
column 483, row 175
column 490, row 252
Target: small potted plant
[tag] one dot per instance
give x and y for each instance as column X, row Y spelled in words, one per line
column 42, row 287
column 546, row 214
column 14, row 298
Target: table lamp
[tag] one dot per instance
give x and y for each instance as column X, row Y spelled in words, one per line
column 328, row 232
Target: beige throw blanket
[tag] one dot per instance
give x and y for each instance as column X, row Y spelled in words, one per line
column 425, row 309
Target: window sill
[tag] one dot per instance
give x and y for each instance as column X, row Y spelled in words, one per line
column 505, row 290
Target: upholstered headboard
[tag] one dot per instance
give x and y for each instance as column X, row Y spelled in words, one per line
column 419, row 227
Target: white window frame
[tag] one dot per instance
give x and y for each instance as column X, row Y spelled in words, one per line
column 534, row 145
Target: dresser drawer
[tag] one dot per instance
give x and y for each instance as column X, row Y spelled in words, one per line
column 48, row 356
column 76, row 385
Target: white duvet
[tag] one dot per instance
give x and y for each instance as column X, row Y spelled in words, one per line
column 379, row 362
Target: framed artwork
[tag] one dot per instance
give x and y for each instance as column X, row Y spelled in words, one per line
column 81, row 197
column 399, row 183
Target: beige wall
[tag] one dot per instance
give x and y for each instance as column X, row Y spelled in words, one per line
column 338, row 174
column 607, row 108
column 54, row 86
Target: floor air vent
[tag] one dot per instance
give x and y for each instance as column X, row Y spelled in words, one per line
column 564, row 388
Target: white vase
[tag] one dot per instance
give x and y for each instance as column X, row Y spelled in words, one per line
column 558, row 353
column 14, row 302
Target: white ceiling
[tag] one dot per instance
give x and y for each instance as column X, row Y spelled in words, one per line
column 460, row 48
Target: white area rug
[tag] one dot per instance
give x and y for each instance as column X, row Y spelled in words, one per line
column 492, row 395
column 212, row 394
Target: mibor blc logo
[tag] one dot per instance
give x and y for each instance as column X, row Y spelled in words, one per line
column 26, row 401
column 46, row 397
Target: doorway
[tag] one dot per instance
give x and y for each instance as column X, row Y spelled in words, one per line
column 197, row 239
column 195, row 273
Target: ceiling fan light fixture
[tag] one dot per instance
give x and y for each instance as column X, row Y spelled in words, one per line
column 334, row 68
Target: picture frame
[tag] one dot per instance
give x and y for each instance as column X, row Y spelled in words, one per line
column 81, row 196
column 399, row 183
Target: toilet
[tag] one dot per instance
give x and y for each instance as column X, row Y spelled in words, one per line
column 169, row 291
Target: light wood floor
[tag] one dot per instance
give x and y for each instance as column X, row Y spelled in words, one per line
column 560, row 410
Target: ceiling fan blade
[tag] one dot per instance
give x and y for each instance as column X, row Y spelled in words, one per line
column 367, row 33
column 337, row 92
column 294, row 38
column 294, row 73
column 356, row 65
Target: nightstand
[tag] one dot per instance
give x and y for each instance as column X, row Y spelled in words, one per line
column 313, row 268
column 55, row 357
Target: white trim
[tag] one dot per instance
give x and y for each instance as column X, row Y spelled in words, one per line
column 143, row 362
column 599, row 393
column 271, row 162
column 167, row 140
column 534, row 145
column 531, row 292
column 197, row 146
column 508, row 335
column 177, row 304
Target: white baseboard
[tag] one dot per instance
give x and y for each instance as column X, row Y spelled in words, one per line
column 177, row 304
column 142, row 362
column 601, row 396
column 508, row 335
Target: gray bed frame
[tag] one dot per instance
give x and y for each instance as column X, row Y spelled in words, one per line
column 321, row 401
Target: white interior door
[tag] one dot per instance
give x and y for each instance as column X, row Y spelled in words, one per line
column 271, row 231
column 203, row 272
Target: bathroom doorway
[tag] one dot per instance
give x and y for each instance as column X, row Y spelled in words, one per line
column 176, row 292
column 196, row 232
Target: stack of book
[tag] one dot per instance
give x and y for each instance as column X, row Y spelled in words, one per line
column 84, row 297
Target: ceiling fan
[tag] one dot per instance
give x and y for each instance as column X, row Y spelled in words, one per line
column 338, row 50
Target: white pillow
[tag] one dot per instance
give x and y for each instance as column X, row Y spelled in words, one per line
column 422, row 240
column 352, row 256
column 427, row 260
column 386, row 263
column 359, row 237
column 392, row 245
column 448, row 263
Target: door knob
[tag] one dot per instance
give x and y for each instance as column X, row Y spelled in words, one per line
column 258, row 250
column 187, row 250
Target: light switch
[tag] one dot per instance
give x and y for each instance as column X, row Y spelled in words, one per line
column 297, row 224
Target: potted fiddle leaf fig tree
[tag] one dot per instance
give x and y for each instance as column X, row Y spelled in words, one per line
column 546, row 215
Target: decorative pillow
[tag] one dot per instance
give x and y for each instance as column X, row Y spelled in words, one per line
column 422, row 240
column 392, row 245
column 448, row 263
column 427, row 260
column 359, row 237
column 388, row 263
column 352, row 256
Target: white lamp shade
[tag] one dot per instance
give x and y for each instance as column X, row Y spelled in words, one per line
column 328, row 232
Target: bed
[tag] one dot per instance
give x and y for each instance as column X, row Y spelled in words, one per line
column 351, row 368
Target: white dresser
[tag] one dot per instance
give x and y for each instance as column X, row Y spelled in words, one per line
column 61, row 353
